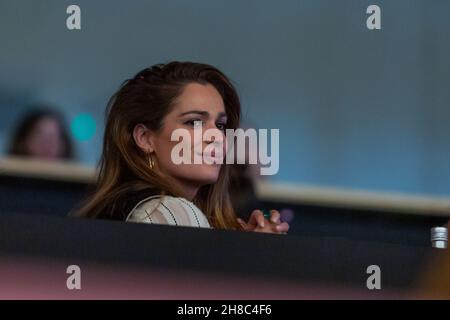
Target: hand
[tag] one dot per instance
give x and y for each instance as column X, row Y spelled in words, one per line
column 258, row 223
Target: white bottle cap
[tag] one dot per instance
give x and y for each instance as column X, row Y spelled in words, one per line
column 439, row 234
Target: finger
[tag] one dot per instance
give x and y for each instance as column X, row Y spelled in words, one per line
column 252, row 219
column 243, row 225
column 257, row 218
column 275, row 216
column 283, row 227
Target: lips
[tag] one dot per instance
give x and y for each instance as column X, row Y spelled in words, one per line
column 211, row 156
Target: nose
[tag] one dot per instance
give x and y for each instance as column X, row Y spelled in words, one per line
column 216, row 138
column 213, row 135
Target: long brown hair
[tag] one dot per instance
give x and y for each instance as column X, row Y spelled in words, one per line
column 148, row 98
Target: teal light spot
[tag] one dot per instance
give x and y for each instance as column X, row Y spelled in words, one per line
column 83, row 127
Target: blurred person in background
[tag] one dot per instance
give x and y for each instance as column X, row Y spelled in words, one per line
column 42, row 134
column 434, row 282
column 139, row 181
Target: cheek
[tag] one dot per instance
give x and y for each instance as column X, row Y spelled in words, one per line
column 225, row 145
column 164, row 146
column 164, row 152
column 196, row 139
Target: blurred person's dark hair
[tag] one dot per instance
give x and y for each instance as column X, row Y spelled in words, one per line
column 31, row 125
column 435, row 282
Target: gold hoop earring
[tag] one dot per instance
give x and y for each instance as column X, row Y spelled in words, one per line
column 151, row 163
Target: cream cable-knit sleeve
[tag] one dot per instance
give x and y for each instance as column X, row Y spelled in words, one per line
column 168, row 210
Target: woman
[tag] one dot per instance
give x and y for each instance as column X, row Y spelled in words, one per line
column 138, row 179
column 42, row 134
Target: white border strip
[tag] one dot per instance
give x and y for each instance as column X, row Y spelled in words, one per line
column 51, row 170
column 358, row 199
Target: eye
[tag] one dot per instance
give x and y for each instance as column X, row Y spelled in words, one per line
column 195, row 123
column 221, row 126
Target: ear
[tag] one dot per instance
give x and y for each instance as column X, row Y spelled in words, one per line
column 143, row 138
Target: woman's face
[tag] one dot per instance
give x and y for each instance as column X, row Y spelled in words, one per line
column 45, row 139
column 198, row 105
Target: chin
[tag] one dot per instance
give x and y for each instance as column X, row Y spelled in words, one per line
column 208, row 174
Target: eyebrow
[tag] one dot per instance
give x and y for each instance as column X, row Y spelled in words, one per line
column 202, row 113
